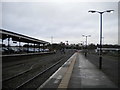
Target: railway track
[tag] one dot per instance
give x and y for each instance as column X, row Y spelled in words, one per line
column 25, row 73
column 30, row 80
column 19, row 73
column 18, row 68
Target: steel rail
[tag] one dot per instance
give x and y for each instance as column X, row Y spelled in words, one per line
column 29, row 80
column 18, row 74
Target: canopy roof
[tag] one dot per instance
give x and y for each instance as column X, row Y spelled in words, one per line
column 19, row 37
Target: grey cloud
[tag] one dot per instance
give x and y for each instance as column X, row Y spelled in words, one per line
column 60, row 20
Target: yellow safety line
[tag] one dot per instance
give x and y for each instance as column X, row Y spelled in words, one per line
column 65, row 81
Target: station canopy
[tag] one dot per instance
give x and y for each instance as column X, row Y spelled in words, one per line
column 4, row 34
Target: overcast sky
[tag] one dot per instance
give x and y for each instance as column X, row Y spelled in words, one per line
column 64, row 21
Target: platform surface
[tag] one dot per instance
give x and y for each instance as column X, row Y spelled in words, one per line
column 87, row 75
column 78, row 72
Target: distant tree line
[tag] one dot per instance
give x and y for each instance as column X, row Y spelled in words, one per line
column 58, row 46
column 109, row 46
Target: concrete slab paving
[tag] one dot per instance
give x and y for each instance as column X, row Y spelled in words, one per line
column 86, row 75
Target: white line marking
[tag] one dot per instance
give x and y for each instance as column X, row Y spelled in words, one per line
column 58, row 79
column 55, row 73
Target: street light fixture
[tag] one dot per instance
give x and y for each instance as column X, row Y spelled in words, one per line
column 86, row 42
column 92, row 11
column 100, row 54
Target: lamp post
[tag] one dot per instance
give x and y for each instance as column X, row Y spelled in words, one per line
column 100, row 54
column 103, row 40
column 51, row 39
column 52, row 43
column 66, row 42
column 86, row 42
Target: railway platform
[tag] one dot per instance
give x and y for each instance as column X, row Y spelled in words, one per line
column 78, row 72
